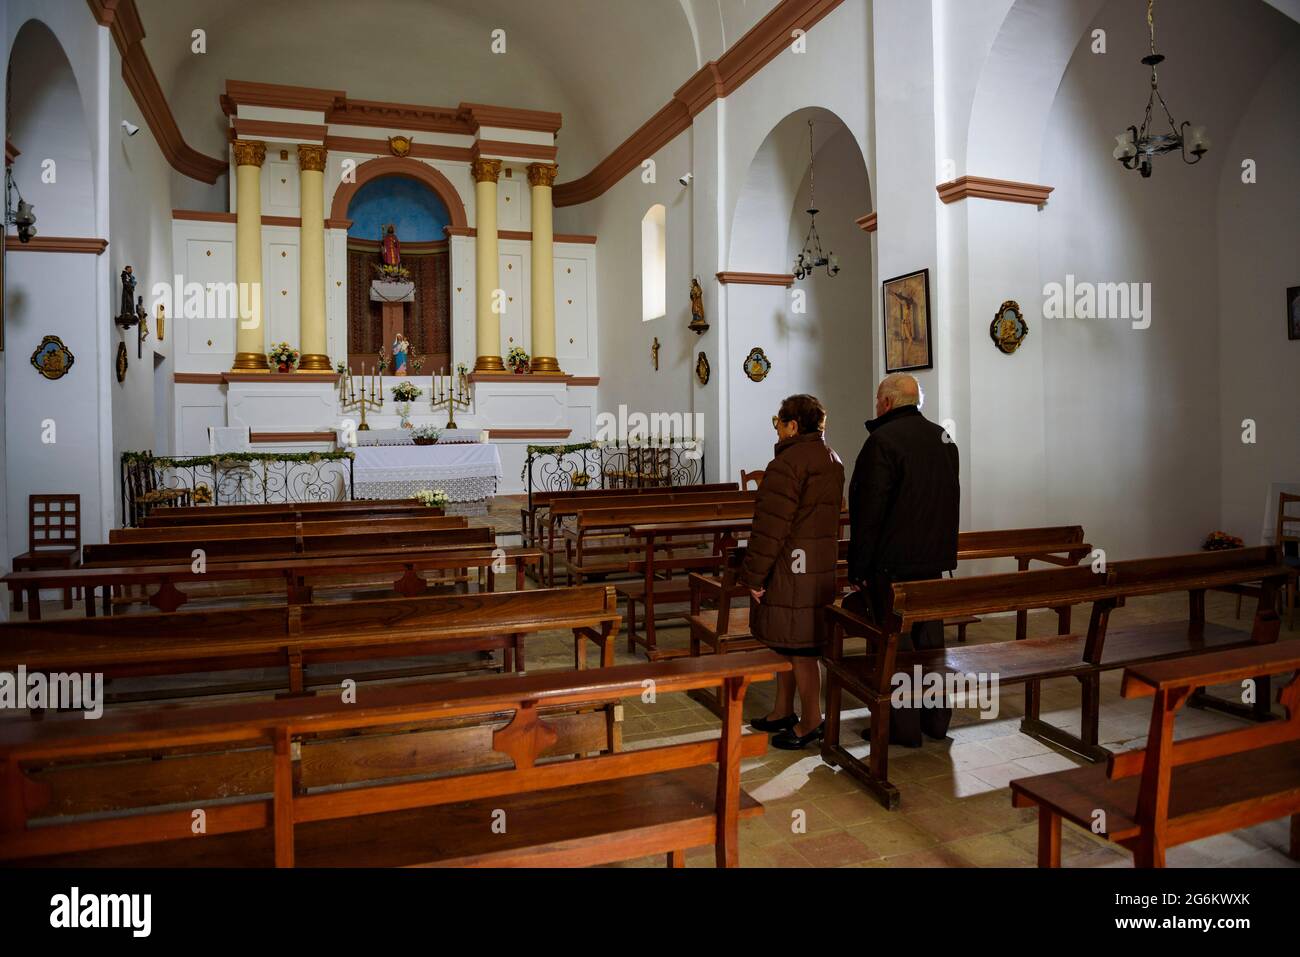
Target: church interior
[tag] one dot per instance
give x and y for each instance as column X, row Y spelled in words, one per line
column 387, row 452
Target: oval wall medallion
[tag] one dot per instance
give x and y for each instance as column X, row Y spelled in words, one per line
column 52, row 358
column 121, row 362
column 757, row 365
column 1008, row 328
column 702, row 368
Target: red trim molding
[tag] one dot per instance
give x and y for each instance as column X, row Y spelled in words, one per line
column 123, row 20
column 287, row 437
column 756, row 278
column 279, row 377
column 242, row 92
column 523, row 234
column 56, row 244
column 204, row 216
column 506, row 117
column 506, row 148
column 584, row 380
column 198, row 378
column 529, row 433
column 298, row 132
column 1004, row 190
column 716, row 79
column 867, row 222
column 358, row 144
column 400, row 166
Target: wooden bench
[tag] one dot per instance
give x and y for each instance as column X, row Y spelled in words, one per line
column 563, row 512
column 1169, row 792
column 599, row 543
column 294, row 580
column 283, row 546
column 530, row 515
column 293, row 512
column 296, row 637
column 310, row 528
column 302, row 800
column 869, row 677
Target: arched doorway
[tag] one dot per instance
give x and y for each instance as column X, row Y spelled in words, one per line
column 419, row 216
column 817, row 333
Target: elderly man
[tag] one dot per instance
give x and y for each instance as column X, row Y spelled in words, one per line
column 904, row 504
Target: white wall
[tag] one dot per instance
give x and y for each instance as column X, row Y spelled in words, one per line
column 1259, row 257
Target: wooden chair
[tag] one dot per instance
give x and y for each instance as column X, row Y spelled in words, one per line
column 1171, row 792
column 53, row 537
column 747, row 477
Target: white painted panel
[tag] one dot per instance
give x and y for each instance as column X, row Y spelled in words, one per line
column 463, row 341
column 571, row 309
column 280, row 183
column 513, row 319
column 195, row 421
column 512, row 195
column 211, row 261
column 281, row 278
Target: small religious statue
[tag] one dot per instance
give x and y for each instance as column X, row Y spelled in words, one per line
column 391, row 248
column 698, row 325
column 126, row 316
column 654, row 353
column 400, row 348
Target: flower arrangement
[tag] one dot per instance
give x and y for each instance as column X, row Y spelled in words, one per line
column 425, row 434
column 391, row 273
column 518, row 361
column 341, row 367
column 406, row 392
column 580, row 479
column 1217, row 541
column 404, row 410
column 283, row 357
column 432, row 497
column 462, row 371
column 202, row 494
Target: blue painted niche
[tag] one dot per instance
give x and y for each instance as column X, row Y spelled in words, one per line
column 416, row 210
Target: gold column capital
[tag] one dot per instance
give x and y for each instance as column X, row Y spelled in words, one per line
column 542, row 174
column 485, row 170
column 311, row 158
column 249, row 152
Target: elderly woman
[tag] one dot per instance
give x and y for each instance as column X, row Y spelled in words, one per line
column 790, row 563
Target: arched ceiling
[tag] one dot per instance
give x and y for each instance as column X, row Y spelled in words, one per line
column 606, row 65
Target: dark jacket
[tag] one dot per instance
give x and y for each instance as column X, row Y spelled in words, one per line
column 794, row 542
column 904, row 499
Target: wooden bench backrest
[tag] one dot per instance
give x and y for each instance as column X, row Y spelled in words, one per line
column 358, row 505
column 662, row 514
column 546, row 499
column 160, row 518
column 566, row 508
column 53, row 521
column 272, row 728
column 79, row 643
column 201, row 533
column 138, row 553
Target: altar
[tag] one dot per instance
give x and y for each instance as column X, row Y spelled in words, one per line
column 466, row 471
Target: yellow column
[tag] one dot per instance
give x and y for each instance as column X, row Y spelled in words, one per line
column 311, row 260
column 250, row 339
column 487, row 265
column 541, row 177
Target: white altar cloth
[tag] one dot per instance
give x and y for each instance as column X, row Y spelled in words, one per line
column 401, row 436
column 467, row 472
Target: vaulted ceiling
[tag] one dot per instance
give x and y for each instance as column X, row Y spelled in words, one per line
column 606, row 65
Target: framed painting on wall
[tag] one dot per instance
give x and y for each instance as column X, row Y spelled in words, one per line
column 1293, row 312
column 907, row 322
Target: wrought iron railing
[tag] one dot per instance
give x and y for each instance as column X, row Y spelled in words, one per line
column 233, row 479
column 559, row 468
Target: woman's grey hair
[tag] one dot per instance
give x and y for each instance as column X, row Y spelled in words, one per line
column 901, row 389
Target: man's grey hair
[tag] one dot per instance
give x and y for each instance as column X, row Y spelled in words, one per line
column 901, row 389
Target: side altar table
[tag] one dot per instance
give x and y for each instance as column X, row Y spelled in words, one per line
column 466, row 471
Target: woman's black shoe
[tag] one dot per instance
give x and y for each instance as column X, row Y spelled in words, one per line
column 775, row 724
column 789, row 741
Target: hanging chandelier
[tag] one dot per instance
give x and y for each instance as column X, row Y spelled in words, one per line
column 811, row 256
column 1135, row 147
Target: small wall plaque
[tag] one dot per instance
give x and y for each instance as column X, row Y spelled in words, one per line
column 757, row 365
column 702, row 368
column 1008, row 328
column 52, row 358
column 121, row 362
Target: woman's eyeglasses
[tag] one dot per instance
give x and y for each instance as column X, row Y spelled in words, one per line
column 776, row 422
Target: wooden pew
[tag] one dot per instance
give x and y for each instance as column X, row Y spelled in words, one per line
column 206, row 533
column 293, row 512
column 580, row 811
column 295, row 637
column 294, row 580
column 1171, row 792
column 278, row 547
column 539, row 527
column 564, row 511
column 869, row 677
column 598, row 542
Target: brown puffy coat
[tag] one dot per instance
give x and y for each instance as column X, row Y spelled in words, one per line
column 793, row 545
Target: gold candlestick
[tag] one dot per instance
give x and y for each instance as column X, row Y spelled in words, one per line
column 360, row 402
column 450, row 393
